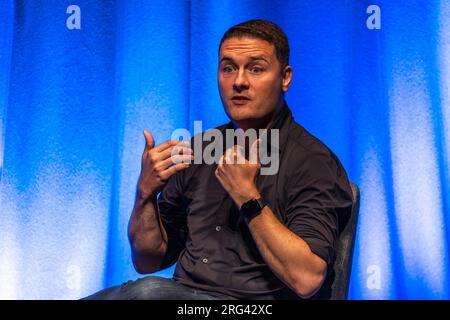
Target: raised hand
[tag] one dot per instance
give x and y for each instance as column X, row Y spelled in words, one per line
column 160, row 163
column 238, row 175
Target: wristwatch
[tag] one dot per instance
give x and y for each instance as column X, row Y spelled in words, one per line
column 252, row 208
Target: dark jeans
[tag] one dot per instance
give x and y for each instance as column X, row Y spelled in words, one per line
column 151, row 288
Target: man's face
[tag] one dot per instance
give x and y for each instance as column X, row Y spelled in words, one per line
column 251, row 82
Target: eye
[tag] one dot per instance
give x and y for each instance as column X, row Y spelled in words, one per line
column 256, row 69
column 227, row 69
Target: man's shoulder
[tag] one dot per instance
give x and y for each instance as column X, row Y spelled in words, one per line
column 304, row 151
column 300, row 139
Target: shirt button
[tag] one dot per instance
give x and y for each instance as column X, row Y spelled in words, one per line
column 218, row 228
column 205, row 260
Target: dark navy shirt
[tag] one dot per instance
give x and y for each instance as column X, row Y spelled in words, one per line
column 211, row 242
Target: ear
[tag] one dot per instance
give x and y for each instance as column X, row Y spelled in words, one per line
column 287, row 77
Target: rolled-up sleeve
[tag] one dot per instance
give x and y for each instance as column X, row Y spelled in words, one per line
column 172, row 211
column 318, row 199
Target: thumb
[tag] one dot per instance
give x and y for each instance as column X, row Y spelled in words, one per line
column 149, row 141
column 254, row 152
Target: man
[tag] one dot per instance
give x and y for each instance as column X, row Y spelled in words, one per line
column 234, row 233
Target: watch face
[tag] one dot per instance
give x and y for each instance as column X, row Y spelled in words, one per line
column 251, row 206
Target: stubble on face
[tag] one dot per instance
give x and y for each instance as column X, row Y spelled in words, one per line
column 250, row 81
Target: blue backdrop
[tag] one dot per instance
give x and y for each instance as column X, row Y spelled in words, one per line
column 74, row 103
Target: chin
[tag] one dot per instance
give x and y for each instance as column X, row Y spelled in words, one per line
column 242, row 116
column 239, row 113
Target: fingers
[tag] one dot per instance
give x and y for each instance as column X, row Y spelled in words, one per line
column 233, row 155
column 221, row 161
column 149, row 141
column 254, row 152
column 171, row 143
column 219, row 174
column 166, row 174
column 172, row 151
column 175, row 159
column 239, row 154
column 223, row 178
column 165, row 149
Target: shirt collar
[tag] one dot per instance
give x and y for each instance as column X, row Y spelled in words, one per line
column 281, row 117
column 281, row 122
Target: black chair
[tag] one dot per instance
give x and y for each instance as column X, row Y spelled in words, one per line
column 344, row 251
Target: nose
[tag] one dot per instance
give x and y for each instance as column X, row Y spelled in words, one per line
column 240, row 82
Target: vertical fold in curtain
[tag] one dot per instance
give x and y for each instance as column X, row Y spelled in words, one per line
column 374, row 275
column 443, row 115
column 410, row 53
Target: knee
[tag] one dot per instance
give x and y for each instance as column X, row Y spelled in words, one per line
column 148, row 288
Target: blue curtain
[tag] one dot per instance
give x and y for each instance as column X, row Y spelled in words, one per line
column 74, row 103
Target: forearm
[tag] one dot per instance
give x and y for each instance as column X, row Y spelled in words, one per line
column 147, row 236
column 288, row 255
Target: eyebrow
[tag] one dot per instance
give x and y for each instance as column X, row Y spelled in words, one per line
column 254, row 58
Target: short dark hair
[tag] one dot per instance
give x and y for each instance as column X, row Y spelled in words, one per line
column 264, row 30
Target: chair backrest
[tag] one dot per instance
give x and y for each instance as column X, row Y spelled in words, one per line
column 344, row 251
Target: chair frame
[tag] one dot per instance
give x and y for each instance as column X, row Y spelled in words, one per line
column 344, row 251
